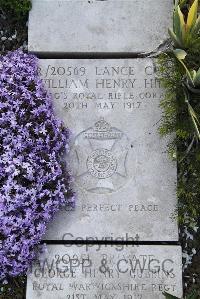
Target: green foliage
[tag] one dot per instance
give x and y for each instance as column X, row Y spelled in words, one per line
column 185, row 146
column 179, row 73
column 168, row 296
column 193, row 295
column 190, row 88
column 17, row 9
column 185, row 34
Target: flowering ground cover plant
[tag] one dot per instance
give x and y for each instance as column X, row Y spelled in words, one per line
column 34, row 182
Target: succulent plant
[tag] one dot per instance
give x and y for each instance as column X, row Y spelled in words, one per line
column 191, row 87
column 185, row 32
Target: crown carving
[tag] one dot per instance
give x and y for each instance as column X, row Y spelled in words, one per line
column 102, row 126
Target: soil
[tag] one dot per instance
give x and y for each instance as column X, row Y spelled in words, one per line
column 190, row 241
column 13, row 33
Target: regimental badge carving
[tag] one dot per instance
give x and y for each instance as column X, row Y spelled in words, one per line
column 101, row 163
column 99, row 158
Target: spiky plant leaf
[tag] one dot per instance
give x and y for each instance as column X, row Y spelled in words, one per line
column 195, row 120
column 192, row 15
column 196, row 27
column 197, row 79
column 193, row 74
column 181, row 3
column 179, row 24
column 174, row 38
column 182, row 24
column 180, row 55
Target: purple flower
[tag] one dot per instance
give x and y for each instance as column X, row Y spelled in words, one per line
column 34, row 181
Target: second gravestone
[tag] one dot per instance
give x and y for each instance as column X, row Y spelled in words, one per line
column 106, row 272
column 95, row 26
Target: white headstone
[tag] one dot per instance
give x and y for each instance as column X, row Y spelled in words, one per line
column 125, row 183
column 124, row 180
column 111, row 26
column 106, row 272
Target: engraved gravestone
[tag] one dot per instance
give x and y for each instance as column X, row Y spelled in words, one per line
column 124, row 180
column 106, row 272
column 125, row 183
column 111, row 26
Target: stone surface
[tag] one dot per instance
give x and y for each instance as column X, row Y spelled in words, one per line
column 124, row 181
column 106, row 272
column 81, row 26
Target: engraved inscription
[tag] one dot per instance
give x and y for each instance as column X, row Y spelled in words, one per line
column 106, row 273
column 121, row 172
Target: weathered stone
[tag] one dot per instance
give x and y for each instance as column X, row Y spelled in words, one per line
column 106, row 272
column 81, row 26
column 124, row 181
